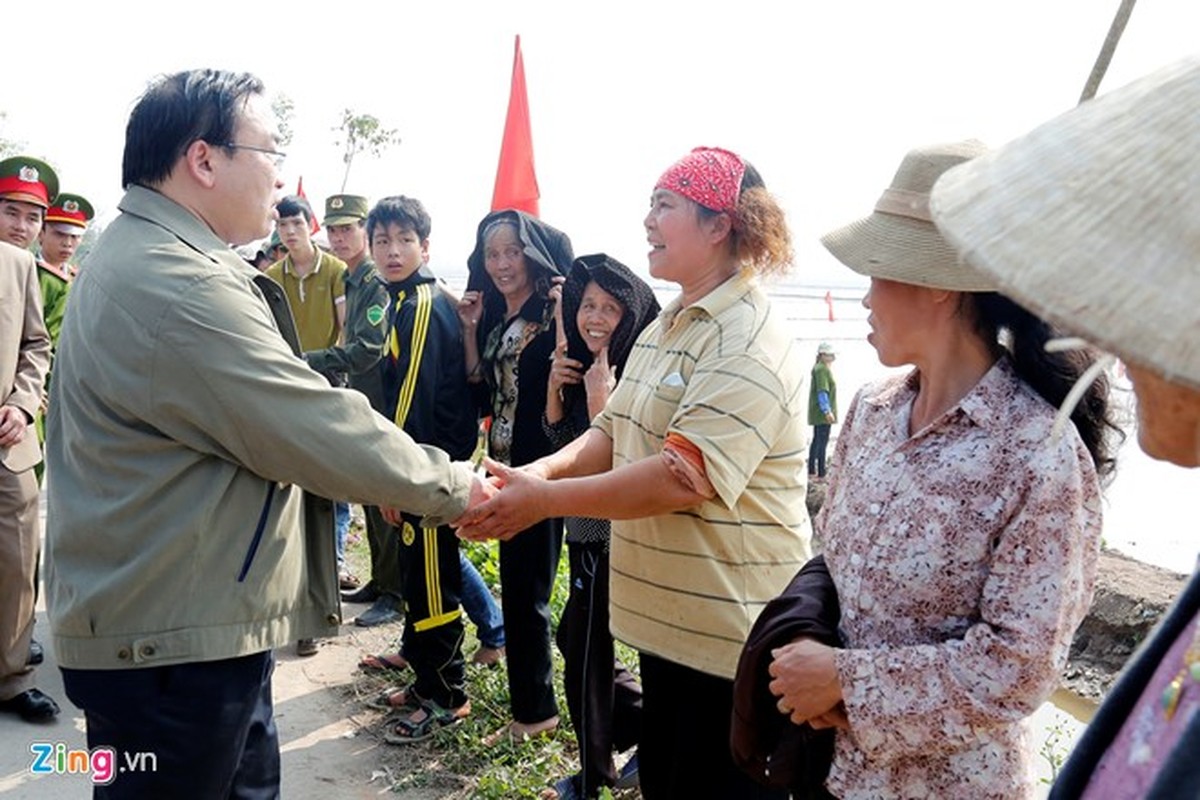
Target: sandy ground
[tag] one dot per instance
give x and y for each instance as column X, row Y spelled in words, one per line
column 326, row 737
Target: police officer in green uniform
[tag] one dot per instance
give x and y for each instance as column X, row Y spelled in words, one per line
column 356, row 356
column 27, row 188
column 366, row 299
column 65, row 224
column 63, row 228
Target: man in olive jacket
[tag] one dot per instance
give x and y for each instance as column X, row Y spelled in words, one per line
column 186, row 435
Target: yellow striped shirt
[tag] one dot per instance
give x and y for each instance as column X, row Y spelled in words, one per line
column 723, row 374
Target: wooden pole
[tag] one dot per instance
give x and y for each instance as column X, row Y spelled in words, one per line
column 1107, row 50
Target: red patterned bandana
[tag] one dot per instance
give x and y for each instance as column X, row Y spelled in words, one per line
column 710, row 176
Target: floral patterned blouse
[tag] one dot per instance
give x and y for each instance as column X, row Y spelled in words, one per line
column 504, row 351
column 964, row 557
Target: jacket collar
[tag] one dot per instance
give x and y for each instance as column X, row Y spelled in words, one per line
column 66, row 273
column 362, row 273
column 422, row 275
column 157, row 208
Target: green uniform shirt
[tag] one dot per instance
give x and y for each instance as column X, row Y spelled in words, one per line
column 54, row 287
column 362, row 340
column 822, row 381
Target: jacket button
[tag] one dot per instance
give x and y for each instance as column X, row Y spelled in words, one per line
column 334, row 619
column 124, row 654
column 147, row 651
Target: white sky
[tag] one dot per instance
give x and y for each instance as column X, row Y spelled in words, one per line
column 824, row 98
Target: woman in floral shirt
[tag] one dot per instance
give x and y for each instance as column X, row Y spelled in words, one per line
column 1091, row 220
column 961, row 532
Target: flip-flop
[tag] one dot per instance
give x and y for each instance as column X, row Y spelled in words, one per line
column 407, row 730
column 402, row 699
column 386, row 662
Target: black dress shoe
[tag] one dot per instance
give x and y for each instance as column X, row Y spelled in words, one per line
column 367, row 594
column 31, row 705
column 36, row 653
column 386, row 609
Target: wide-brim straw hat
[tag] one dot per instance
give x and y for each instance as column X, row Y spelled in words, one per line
column 899, row 241
column 1092, row 220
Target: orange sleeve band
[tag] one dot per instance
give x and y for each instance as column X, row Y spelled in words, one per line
column 685, row 461
column 685, row 449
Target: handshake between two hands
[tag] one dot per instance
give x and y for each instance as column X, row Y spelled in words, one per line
column 502, row 503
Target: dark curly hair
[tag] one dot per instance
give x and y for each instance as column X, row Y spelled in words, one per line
column 1011, row 329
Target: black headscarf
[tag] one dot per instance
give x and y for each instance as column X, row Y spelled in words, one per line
column 640, row 305
column 548, row 253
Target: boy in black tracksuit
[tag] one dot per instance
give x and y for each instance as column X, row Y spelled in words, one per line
column 426, row 393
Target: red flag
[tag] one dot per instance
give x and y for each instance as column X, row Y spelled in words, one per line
column 516, row 180
column 314, row 226
column 829, row 302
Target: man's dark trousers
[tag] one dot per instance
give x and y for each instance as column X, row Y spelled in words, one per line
column 209, row 725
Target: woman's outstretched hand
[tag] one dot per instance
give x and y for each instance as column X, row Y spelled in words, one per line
column 517, row 504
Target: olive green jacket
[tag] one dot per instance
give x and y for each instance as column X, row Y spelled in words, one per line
column 184, row 438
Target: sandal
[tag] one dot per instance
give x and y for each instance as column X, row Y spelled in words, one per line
column 408, row 729
column 402, row 699
column 518, row 732
column 391, row 662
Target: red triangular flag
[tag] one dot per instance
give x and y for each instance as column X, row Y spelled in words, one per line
column 516, row 180
column 829, row 302
column 314, row 226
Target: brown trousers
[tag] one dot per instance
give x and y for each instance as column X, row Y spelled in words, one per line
column 18, row 562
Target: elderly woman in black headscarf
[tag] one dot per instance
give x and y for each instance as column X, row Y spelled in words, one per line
column 509, row 337
column 604, row 308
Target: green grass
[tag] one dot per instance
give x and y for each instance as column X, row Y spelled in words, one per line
column 456, row 760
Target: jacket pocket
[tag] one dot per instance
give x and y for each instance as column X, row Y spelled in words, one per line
column 258, row 533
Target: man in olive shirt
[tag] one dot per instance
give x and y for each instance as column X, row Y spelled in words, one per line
column 311, row 277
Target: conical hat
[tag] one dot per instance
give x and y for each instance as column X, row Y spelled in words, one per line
column 1092, row 220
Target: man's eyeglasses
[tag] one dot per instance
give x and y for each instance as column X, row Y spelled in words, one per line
column 278, row 156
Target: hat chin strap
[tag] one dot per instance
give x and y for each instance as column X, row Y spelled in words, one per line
column 1082, row 384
